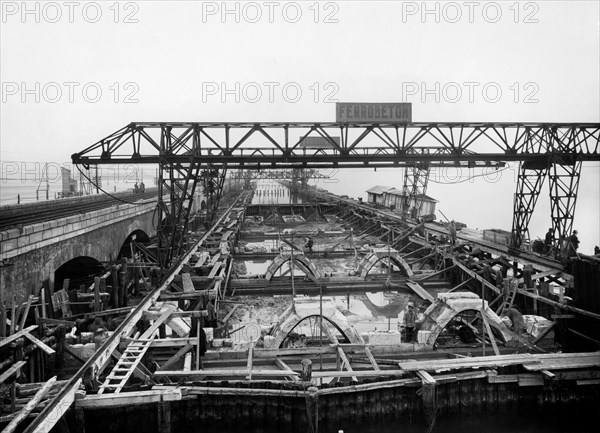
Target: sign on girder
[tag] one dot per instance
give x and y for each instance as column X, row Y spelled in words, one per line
column 357, row 112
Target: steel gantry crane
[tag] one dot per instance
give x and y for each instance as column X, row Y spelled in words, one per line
column 184, row 150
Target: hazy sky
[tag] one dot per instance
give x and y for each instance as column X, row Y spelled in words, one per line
column 73, row 73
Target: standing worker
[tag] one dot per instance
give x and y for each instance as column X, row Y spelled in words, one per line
column 573, row 244
column 548, row 241
column 410, row 319
column 142, row 187
column 452, row 232
column 309, row 244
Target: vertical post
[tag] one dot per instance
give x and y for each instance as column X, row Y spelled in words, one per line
column 198, row 327
column 164, row 416
column 482, row 319
column 115, row 285
column 2, row 315
column 321, row 326
column 292, row 270
column 96, row 293
column 60, row 339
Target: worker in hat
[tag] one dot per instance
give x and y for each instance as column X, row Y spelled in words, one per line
column 410, row 319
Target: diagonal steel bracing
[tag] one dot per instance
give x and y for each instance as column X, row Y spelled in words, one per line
column 416, row 178
column 529, row 185
column 564, row 184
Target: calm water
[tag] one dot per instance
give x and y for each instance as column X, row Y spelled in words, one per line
column 481, row 424
column 270, row 192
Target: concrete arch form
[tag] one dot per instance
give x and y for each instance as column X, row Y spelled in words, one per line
column 303, row 309
column 447, row 306
column 300, row 261
column 378, row 254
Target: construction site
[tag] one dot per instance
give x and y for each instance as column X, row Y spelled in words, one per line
column 238, row 293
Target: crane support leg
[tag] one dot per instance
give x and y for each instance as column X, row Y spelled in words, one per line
column 529, row 186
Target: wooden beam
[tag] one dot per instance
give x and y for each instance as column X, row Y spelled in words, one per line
column 426, row 378
column 419, row 290
column 279, row 362
column 489, row 332
column 12, row 426
column 56, row 322
column 12, row 370
column 17, row 335
column 25, row 312
column 173, row 359
column 162, row 319
column 187, row 362
column 372, row 359
column 249, row 363
column 126, row 399
column 39, row 343
column 222, row 372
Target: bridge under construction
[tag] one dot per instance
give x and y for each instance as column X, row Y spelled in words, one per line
column 499, row 324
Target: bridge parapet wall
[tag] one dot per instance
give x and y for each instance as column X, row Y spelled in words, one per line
column 16, row 242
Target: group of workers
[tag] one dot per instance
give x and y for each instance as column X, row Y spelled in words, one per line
column 139, row 189
column 569, row 246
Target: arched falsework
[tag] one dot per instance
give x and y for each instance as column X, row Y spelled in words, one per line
column 377, row 255
column 300, row 261
column 304, row 309
column 140, row 236
column 449, row 305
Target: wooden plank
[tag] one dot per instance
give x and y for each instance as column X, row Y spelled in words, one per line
column 214, row 259
column 215, row 269
column 186, row 280
column 249, row 363
column 17, row 335
column 223, row 372
column 173, row 359
column 565, row 364
column 39, row 343
column 357, row 373
column 12, row 426
column 153, row 315
column 162, row 319
column 426, row 377
column 125, row 399
column 203, row 256
column 56, row 322
column 372, row 359
column 489, row 332
column 279, row 362
column 235, row 306
column 420, row 291
column 25, row 312
column 12, row 370
column 187, row 362
column 472, row 362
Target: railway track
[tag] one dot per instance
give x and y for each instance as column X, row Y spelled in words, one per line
column 17, row 217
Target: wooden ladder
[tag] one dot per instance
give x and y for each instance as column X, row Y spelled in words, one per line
column 132, row 355
column 508, row 303
column 125, row 366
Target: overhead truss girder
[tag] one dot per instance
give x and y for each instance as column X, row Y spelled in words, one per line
column 261, row 145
